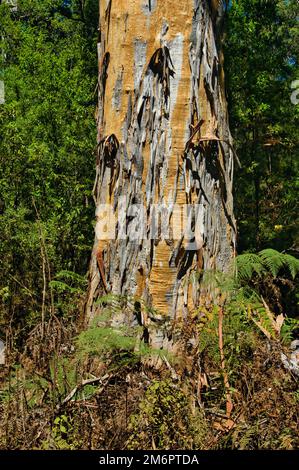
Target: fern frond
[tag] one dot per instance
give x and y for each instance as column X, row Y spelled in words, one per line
column 287, row 330
column 71, row 276
column 260, row 317
column 275, row 261
column 62, row 287
column 272, row 260
column 292, row 264
column 247, row 265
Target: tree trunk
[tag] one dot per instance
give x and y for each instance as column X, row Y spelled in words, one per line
column 163, row 139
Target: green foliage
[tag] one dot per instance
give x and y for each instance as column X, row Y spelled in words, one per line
column 49, row 68
column 67, row 281
column 112, row 335
column 251, row 270
column 276, row 261
column 119, row 343
column 268, row 260
column 261, row 61
column 165, row 420
column 68, row 288
column 109, row 333
column 247, row 265
column 32, row 388
column 255, row 276
column 289, row 326
column 239, row 336
column 246, row 314
column 98, row 340
column 63, row 436
column 63, row 373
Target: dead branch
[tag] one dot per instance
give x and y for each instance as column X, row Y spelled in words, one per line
column 78, row 387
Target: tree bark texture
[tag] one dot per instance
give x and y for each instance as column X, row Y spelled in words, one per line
column 163, row 138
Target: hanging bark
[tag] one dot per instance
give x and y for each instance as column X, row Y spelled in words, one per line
column 163, row 138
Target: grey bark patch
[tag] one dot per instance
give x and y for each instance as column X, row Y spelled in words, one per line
column 148, row 6
column 2, row 352
column 139, row 61
column 195, row 22
column 176, row 47
column 164, row 28
column 117, row 93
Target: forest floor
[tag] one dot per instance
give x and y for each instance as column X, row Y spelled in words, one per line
column 53, row 396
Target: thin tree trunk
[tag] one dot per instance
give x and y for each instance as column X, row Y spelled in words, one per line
column 163, row 138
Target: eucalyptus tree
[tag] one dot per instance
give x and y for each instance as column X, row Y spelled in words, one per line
column 165, row 162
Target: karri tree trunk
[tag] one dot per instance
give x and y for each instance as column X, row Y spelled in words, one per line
column 164, row 145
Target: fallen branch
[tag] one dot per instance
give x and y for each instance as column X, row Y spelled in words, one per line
column 82, row 384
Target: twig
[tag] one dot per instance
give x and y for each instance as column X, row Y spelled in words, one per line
column 23, row 285
column 229, row 403
column 173, row 372
column 214, row 413
column 81, row 385
column 45, row 263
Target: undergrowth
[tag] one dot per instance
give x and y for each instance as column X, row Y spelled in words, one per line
column 105, row 388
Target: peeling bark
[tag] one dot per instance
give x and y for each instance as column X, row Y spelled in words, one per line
column 163, row 138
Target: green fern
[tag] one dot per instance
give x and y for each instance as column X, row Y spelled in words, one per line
column 275, row 261
column 272, row 260
column 249, row 264
column 68, row 281
column 288, row 328
column 96, row 341
column 71, row 277
column 62, row 287
column 261, row 317
column 292, row 264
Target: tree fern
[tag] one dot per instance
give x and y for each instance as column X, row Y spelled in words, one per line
column 292, row 264
column 272, row 260
column 247, row 265
column 275, row 261
column 267, row 260
column 247, row 300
